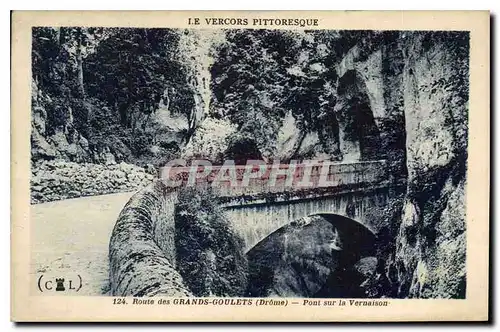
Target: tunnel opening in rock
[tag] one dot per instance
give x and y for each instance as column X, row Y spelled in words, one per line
column 358, row 131
column 322, row 255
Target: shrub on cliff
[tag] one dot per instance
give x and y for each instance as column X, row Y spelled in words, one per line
column 210, row 255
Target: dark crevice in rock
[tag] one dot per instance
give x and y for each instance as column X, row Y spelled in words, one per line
column 313, row 257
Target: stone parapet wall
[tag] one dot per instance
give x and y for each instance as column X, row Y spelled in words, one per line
column 337, row 175
column 142, row 246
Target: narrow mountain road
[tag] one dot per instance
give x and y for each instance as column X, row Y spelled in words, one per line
column 71, row 237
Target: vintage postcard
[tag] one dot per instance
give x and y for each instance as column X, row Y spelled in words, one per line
column 250, row 166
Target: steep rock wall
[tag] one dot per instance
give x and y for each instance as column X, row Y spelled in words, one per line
column 370, row 69
column 53, row 132
column 392, row 126
column 210, row 254
column 420, row 79
column 431, row 241
column 369, row 95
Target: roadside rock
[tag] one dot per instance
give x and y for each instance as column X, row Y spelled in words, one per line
column 58, row 179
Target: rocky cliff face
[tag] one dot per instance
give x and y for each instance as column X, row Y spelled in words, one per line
column 57, row 133
column 61, row 140
column 369, row 101
column 416, row 85
column 431, row 241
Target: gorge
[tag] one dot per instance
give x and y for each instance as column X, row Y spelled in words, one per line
column 146, row 96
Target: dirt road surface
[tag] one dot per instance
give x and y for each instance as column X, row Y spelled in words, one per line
column 71, row 238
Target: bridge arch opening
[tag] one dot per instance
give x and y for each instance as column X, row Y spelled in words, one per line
column 322, row 255
column 358, row 132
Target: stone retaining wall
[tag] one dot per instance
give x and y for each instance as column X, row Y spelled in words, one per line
column 58, row 179
column 142, row 246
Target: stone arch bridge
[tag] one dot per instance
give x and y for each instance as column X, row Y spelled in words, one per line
column 142, row 246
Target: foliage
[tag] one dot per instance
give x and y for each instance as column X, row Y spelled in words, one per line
column 132, row 70
column 57, row 56
column 260, row 75
column 209, row 253
column 105, row 84
column 247, row 78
